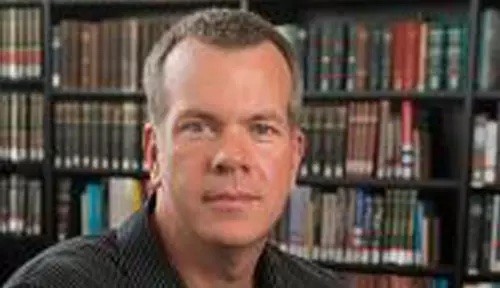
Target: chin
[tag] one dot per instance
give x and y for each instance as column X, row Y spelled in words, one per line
column 238, row 235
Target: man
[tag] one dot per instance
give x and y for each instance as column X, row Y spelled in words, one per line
column 223, row 148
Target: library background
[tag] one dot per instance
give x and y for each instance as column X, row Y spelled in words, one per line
column 400, row 185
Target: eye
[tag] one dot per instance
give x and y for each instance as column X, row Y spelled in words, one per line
column 264, row 130
column 192, row 126
column 196, row 128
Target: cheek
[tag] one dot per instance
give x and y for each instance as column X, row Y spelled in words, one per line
column 275, row 163
column 189, row 163
column 183, row 176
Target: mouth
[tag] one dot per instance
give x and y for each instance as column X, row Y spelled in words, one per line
column 231, row 201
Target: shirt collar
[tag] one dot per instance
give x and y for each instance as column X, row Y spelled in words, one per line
column 140, row 256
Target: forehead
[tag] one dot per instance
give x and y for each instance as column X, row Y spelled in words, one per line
column 238, row 79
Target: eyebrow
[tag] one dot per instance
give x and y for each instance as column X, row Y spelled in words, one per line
column 266, row 115
column 198, row 113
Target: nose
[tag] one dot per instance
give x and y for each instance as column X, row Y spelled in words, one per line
column 232, row 154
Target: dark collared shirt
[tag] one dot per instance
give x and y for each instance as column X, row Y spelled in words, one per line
column 130, row 257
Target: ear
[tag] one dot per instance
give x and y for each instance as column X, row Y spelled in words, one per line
column 151, row 156
column 299, row 147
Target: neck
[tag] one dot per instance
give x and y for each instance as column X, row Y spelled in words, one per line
column 202, row 264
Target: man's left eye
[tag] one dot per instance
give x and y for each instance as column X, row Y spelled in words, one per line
column 263, row 129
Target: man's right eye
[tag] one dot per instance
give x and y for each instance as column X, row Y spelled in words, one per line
column 192, row 127
column 196, row 129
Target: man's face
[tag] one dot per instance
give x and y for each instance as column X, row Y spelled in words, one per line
column 227, row 152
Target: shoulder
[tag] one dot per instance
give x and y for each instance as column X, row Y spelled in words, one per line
column 304, row 273
column 70, row 263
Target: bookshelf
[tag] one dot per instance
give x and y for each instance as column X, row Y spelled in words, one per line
column 452, row 111
column 435, row 185
column 445, row 97
column 104, row 96
column 442, row 270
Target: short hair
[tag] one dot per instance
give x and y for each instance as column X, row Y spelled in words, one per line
column 223, row 27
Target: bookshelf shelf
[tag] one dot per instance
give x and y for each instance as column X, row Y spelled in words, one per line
column 439, row 184
column 487, row 95
column 143, row 3
column 26, row 168
column 22, row 237
column 84, row 172
column 99, row 96
column 442, row 270
column 485, row 189
column 20, row 3
column 483, row 277
column 21, row 84
column 442, row 96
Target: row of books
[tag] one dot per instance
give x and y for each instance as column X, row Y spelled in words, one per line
column 393, row 281
column 346, row 140
column 21, row 44
column 367, row 139
column 101, row 204
column 105, row 54
column 419, row 55
column 20, row 205
column 337, row 54
column 344, row 55
column 485, row 152
column 352, row 225
column 98, row 135
column 21, row 126
column 483, row 251
column 357, row 225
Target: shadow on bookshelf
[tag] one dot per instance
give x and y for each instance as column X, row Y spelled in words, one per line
column 380, row 183
column 21, row 84
column 344, row 96
column 180, row 3
column 485, row 189
column 92, row 173
column 25, row 168
column 20, row 3
column 487, row 95
column 100, row 96
column 442, row 270
column 483, row 277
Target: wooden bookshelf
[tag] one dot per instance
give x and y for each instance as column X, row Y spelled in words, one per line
column 445, row 97
column 438, row 184
column 456, row 190
column 420, row 271
column 99, row 96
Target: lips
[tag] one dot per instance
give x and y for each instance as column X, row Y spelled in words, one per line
column 230, row 200
column 230, row 196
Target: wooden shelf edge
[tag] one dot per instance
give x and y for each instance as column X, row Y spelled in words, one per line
column 6, row 83
column 487, row 95
column 105, row 95
column 484, row 189
column 26, row 168
column 441, row 270
column 84, row 172
column 20, row 3
column 383, row 95
column 416, row 184
column 144, row 3
column 483, row 277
